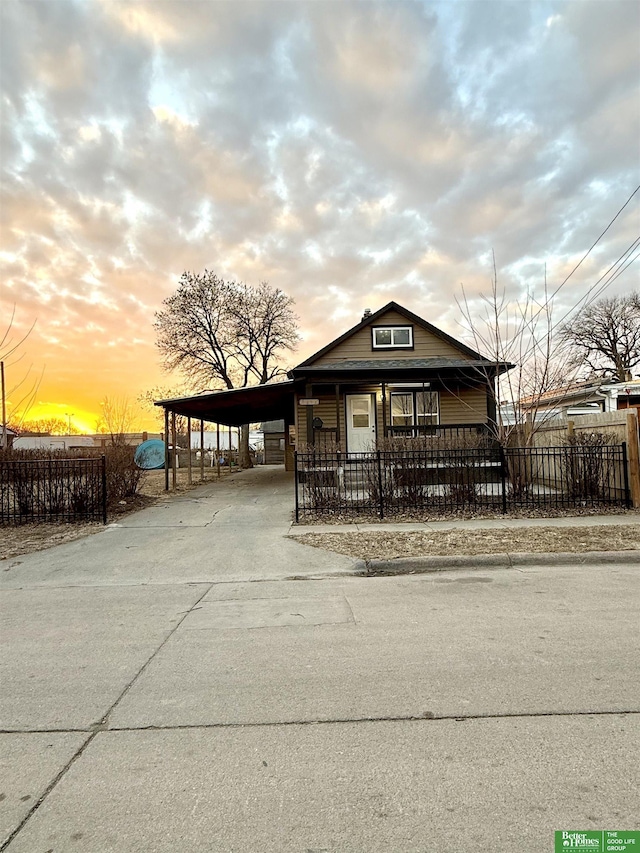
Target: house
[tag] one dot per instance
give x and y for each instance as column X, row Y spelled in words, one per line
column 392, row 374
column 7, row 437
column 586, row 397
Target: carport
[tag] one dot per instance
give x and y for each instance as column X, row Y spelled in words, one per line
column 233, row 408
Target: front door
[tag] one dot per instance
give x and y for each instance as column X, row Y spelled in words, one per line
column 361, row 423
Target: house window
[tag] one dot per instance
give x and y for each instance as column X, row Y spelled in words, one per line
column 427, row 408
column 392, row 337
column 402, row 409
column 414, row 408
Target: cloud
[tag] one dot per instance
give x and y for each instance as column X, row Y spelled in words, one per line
column 349, row 153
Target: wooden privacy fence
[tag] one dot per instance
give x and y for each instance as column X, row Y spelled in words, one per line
column 444, row 480
column 52, row 490
column 619, row 426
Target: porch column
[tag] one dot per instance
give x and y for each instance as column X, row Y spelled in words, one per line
column 174, row 460
column 166, row 450
column 218, row 450
column 201, row 449
column 189, row 477
column 309, row 414
column 384, row 409
column 337, row 414
column 492, row 413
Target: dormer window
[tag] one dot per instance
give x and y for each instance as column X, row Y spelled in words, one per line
column 392, row 337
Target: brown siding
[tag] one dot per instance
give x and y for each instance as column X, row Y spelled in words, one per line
column 466, row 406
column 425, row 344
column 457, row 406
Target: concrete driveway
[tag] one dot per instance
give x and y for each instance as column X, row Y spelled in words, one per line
column 166, row 686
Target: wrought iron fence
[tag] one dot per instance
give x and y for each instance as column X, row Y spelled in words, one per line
column 52, row 490
column 447, row 480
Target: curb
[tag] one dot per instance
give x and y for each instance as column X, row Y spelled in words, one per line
column 421, row 565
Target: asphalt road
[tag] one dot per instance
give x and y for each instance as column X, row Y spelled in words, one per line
column 162, row 695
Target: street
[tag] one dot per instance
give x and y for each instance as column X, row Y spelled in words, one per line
column 199, row 711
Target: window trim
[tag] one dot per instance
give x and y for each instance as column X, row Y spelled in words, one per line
column 391, row 327
column 433, row 421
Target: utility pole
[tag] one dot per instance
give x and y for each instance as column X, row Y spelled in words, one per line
column 3, row 444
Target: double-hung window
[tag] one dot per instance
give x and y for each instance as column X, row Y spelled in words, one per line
column 414, row 408
column 392, row 337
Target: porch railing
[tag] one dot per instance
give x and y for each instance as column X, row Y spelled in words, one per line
column 444, row 431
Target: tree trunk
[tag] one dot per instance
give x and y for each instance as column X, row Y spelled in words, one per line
column 244, row 458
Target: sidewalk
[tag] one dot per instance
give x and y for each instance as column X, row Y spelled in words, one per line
column 632, row 517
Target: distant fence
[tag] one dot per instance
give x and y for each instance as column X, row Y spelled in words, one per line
column 52, row 490
column 395, row 482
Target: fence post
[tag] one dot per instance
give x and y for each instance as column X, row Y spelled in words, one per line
column 625, row 473
column 634, row 458
column 104, row 489
column 503, row 478
column 295, row 477
column 380, row 495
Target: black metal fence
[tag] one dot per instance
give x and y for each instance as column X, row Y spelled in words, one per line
column 52, row 490
column 387, row 483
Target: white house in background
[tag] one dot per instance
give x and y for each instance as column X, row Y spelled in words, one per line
column 52, row 442
column 579, row 398
column 621, row 395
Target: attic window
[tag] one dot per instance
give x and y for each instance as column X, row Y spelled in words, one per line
column 392, row 337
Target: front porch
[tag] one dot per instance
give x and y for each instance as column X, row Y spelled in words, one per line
column 358, row 417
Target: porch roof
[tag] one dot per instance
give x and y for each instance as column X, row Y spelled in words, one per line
column 238, row 406
column 402, row 368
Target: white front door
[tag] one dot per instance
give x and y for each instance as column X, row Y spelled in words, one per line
column 361, row 423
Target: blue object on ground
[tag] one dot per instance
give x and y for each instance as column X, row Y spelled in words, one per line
column 150, row 455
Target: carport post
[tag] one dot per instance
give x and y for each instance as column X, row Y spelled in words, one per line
column 174, row 458
column 189, row 475
column 166, row 450
column 218, row 449
column 201, row 449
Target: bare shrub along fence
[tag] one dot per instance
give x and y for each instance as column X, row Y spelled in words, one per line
column 394, row 482
column 41, row 486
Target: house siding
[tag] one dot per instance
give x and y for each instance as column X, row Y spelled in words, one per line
column 425, row 344
column 465, row 406
column 457, row 406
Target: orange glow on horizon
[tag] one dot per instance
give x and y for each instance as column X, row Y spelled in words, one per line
column 82, row 419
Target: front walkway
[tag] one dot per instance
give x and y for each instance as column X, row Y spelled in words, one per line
column 234, row 529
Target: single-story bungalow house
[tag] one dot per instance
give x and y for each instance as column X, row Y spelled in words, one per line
column 392, row 374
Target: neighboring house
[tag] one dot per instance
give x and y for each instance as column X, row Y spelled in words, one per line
column 392, row 374
column 7, row 437
column 47, row 441
column 578, row 398
column 621, row 395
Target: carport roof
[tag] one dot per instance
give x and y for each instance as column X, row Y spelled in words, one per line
column 238, row 406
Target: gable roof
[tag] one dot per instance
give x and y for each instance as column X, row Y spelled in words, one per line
column 369, row 321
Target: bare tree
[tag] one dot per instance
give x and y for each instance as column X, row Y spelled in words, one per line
column 605, row 336
column 50, row 426
column 117, row 418
column 19, row 394
column 226, row 333
column 520, row 333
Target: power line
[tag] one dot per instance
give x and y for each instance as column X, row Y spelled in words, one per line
column 592, row 247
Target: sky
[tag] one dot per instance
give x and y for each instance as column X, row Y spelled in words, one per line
column 349, row 153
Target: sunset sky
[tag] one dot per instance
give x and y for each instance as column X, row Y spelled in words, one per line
column 349, row 153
